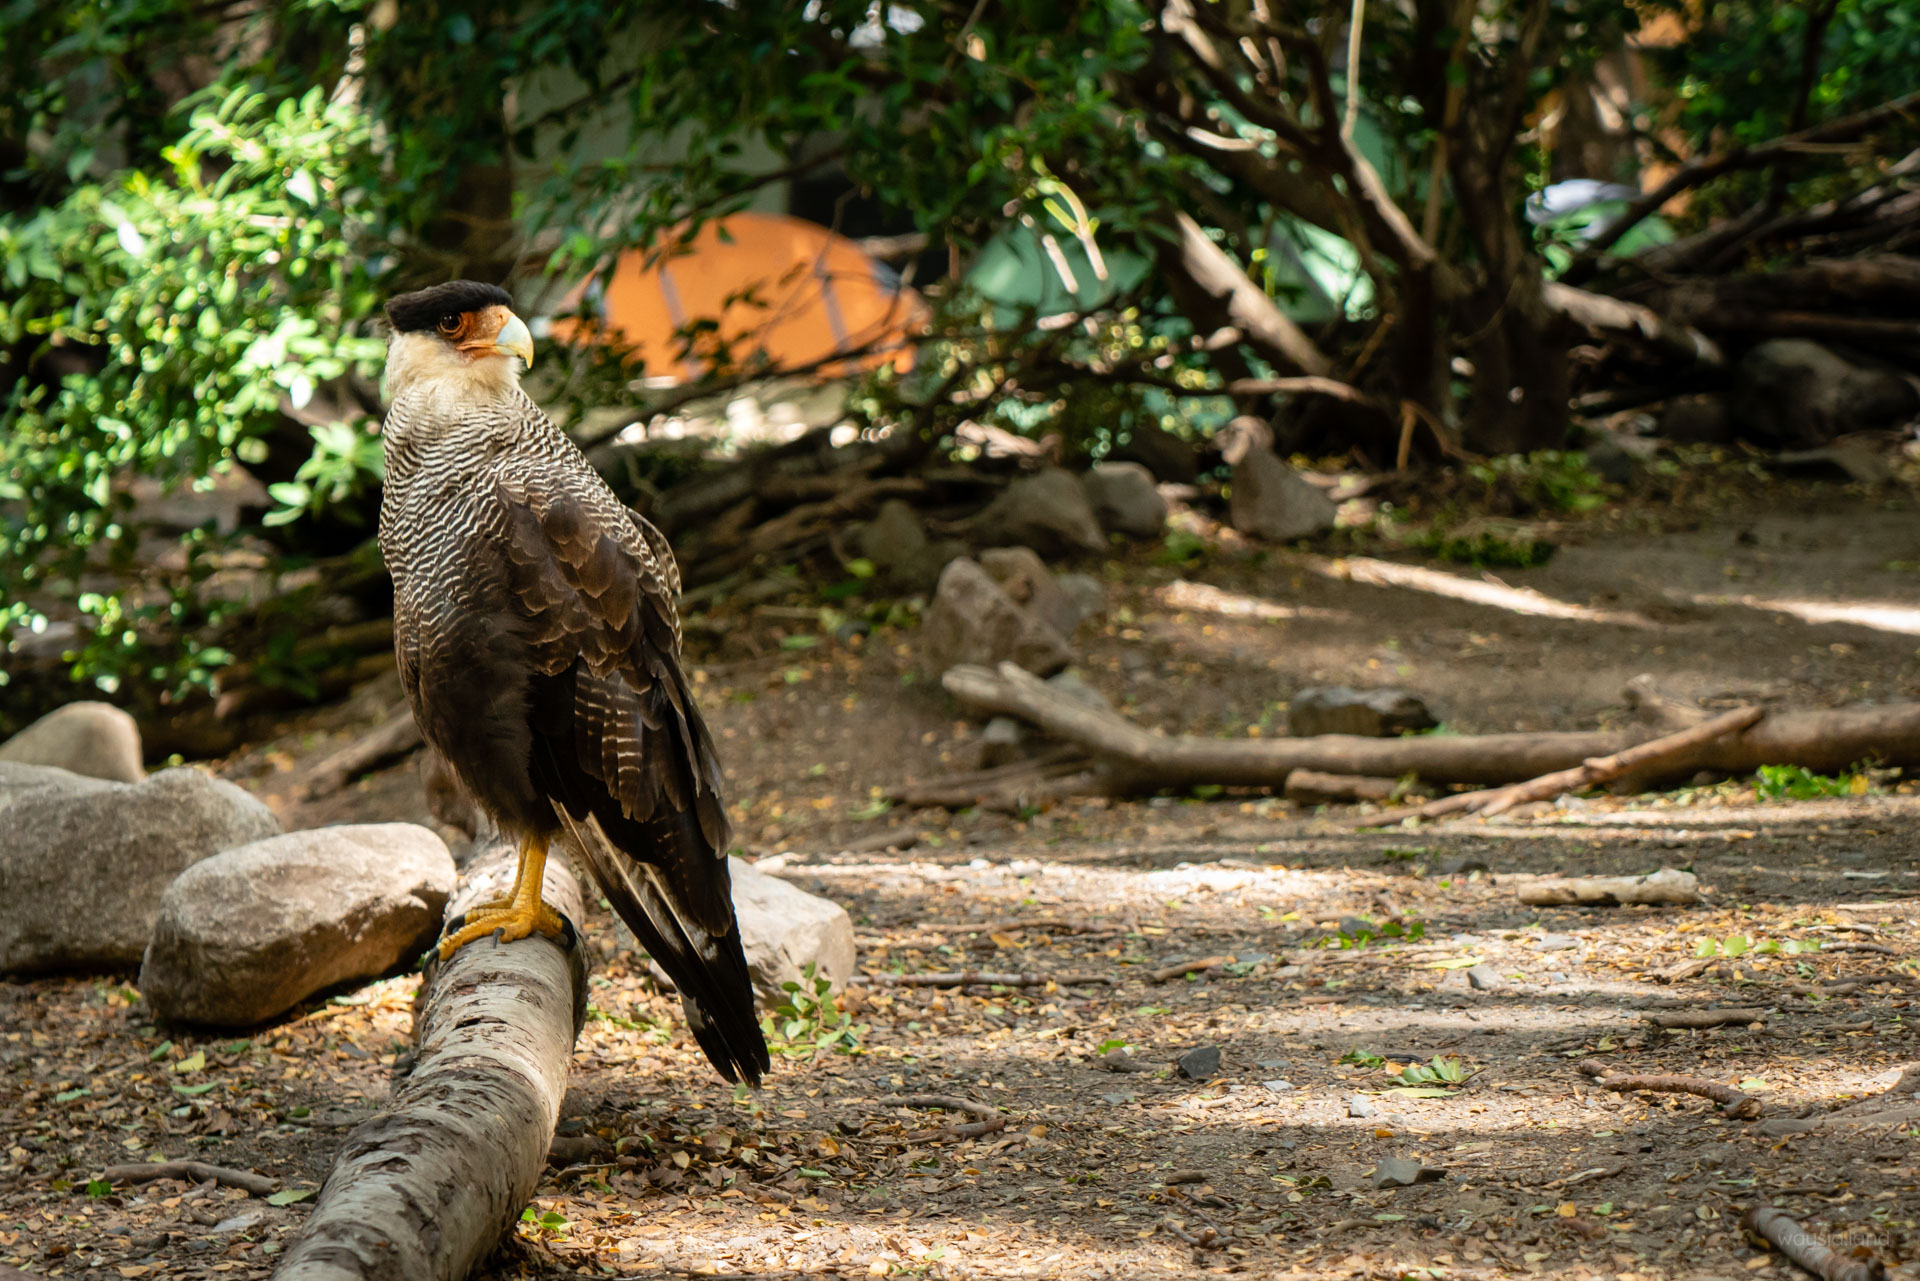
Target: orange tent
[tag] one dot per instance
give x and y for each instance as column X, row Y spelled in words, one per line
column 750, row 286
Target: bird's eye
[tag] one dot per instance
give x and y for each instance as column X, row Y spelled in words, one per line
column 449, row 325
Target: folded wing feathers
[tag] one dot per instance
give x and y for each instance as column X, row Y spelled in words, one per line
column 600, row 598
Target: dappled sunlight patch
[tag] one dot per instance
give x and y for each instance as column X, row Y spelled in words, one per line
column 1486, row 590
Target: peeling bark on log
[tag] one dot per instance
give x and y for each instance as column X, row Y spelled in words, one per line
column 424, row 1190
column 1664, row 886
column 1132, row 760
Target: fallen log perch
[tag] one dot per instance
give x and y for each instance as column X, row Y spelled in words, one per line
column 1130, row 760
column 425, row 1189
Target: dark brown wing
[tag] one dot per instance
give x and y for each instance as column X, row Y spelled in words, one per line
column 619, row 747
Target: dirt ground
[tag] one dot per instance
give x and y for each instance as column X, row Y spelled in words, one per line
column 1798, row 597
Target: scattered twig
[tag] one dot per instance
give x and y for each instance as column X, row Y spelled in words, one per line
column 1735, row 1104
column 1807, row 1251
column 191, row 1172
column 1848, row 945
column 1707, row 1018
column 992, row 1120
column 1206, row 1240
column 1167, row 972
column 1589, row 773
column 1688, row 969
column 1595, row 1172
column 985, row 978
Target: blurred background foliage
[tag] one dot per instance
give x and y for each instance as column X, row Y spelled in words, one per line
column 206, row 204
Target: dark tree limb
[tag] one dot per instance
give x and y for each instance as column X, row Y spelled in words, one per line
column 424, row 1190
column 1706, row 168
column 1735, row 1104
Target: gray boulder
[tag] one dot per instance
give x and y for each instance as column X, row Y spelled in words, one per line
column 86, row 861
column 95, row 739
column 971, row 620
column 784, row 928
column 1797, row 393
column 1125, row 499
column 253, row 931
column 1047, row 511
column 1271, row 501
column 897, row 544
column 17, row 781
column 1024, row 577
column 1088, row 594
column 1372, row 713
column 1698, row 420
column 1002, row 741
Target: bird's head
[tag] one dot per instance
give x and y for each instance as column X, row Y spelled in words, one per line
column 462, row 332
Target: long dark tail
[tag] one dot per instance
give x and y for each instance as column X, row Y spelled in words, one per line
column 709, row 970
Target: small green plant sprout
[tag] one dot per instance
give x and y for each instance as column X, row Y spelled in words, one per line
column 1111, row 1044
column 545, row 1221
column 1442, row 1069
column 1368, row 932
column 1798, row 783
column 1736, row 945
column 1396, row 854
column 1362, row 1058
column 810, row 1020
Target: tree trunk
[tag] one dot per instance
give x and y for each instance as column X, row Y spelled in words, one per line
column 424, row 1190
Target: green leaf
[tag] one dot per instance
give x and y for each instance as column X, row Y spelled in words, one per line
column 195, row 1062
column 68, row 1096
column 160, row 1051
column 201, row 1088
column 288, row 1196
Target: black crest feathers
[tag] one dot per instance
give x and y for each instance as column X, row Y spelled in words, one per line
column 424, row 308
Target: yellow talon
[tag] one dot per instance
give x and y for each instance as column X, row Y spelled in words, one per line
column 520, row 913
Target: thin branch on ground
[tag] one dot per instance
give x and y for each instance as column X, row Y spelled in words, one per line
column 1735, row 1104
column 191, row 1172
column 1707, row 1018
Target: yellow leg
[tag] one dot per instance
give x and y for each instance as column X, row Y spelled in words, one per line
column 519, row 914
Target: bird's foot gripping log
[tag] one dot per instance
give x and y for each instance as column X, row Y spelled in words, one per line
column 425, row 1189
column 521, row 912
